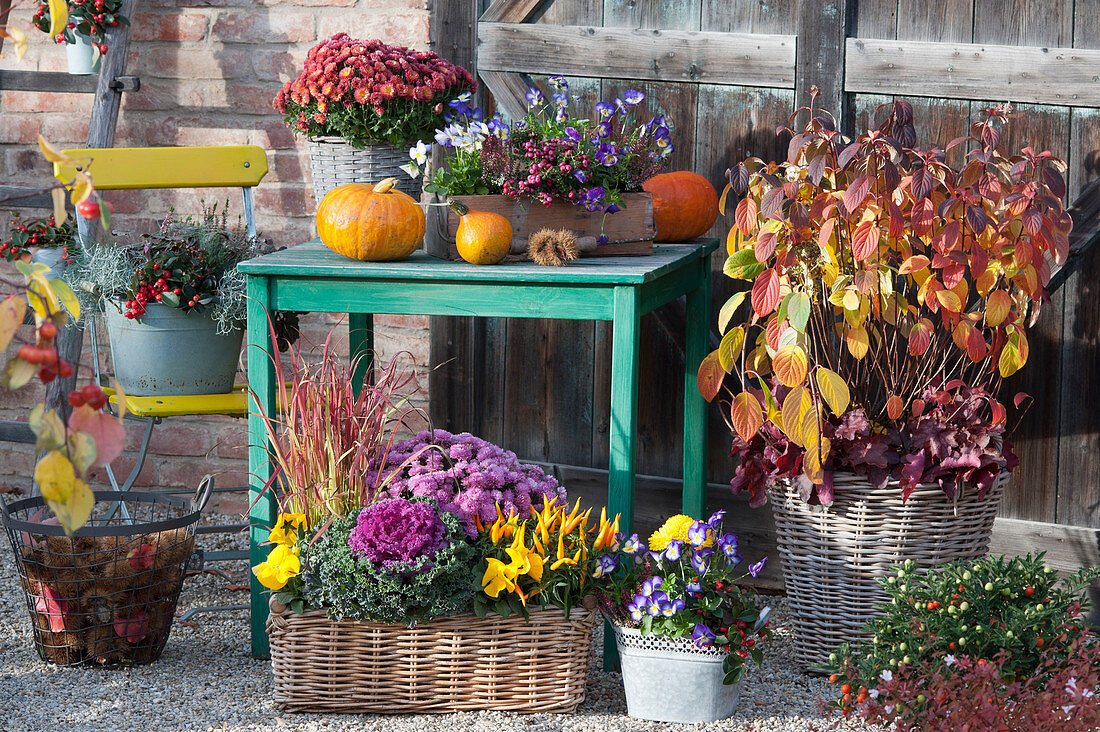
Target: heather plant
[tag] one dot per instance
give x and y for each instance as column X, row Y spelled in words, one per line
column 369, row 93
column 1004, row 632
column 685, row 584
column 343, row 572
column 551, row 154
column 879, row 271
column 466, row 475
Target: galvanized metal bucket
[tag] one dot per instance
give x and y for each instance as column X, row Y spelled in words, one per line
column 171, row 352
column 670, row 680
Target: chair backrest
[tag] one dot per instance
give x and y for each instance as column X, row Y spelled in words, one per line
column 118, row 168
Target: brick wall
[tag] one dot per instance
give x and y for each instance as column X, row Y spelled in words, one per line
column 209, row 69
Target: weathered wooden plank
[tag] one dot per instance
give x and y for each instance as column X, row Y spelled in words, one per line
column 1085, row 212
column 1032, row 74
column 678, row 14
column 16, row 432
column 876, row 19
column 5, row 9
column 822, row 28
column 934, row 20
column 512, row 11
column 507, row 90
column 108, row 98
column 453, row 31
column 47, row 81
column 573, row 12
column 750, row 16
column 466, row 381
column 677, row 102
column 1023, row 22
column 622, row 53
column 24, row 197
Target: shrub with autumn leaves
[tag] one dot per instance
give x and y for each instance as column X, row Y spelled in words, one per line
column 890, row 294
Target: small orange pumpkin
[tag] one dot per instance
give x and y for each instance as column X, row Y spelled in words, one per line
column 685, row 205
column 483, row 237
column 370, row 223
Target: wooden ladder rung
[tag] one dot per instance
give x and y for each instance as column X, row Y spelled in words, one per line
column 59, row 81
column 24, row 197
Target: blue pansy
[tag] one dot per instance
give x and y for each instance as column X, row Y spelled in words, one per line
column 698, row 533
column 633, row 96
column 672, row 551
column 702, row 636
column 756, row 569
column 533, row 97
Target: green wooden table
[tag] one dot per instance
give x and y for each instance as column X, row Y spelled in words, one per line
column 312, row 278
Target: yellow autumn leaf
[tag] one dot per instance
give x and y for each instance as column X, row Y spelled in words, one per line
column 51, row 153
column 18, row 40
column 59, row 17
column 790, row 364
column 47, row 428
column 12, row 311
column 730, row 348
column 82, row 188
column 794, row 407
column 70, row 498
column 60, row 215
column 857, row 341
column 833, row 389
column 66, row 296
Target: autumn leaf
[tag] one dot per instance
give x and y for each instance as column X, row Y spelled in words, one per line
column 920, row 337
column 17, row 373
column 833, row 389
column 70, row 498
column 916, row 263
column 725, row 315
column 765, row 292
column 108, row 433
column 798, row 311
column 12, row 311
column 710, row 376
column 1010, row 361
column 894, row 407
column 730, row 348
column 857, row 341
column 865, row 240
column 59, row 17
column 47, row 428
column 794, row 407
column 747, row 415
column 997, row 307
column 744, row 216
column 949, row 300
column 18, row 39
column 790, row 364
column 857, row 193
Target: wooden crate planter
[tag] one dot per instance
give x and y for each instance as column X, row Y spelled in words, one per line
column 455, row 664
column 629, row 231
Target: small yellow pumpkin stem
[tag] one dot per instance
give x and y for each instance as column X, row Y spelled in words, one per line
column 458, row 207
column 385, row 186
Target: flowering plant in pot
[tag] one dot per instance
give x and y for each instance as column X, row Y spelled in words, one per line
column 552, row 159
column 995, row 643
column 366, row 96
column 890, row 295
column 28, row 236
column 384, row 540
column 683, row 625
column 180, row 282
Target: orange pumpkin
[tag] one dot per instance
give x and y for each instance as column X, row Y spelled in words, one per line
column 483, row 237
column 685, row 205
column 371, row 223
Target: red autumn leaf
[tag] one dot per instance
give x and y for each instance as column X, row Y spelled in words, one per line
column 915, row 263
column 894, row 406
column 998, row 412
column 747, row 415
column 773, row 330
column 920, row 337
column 1020, row 397
column 897, row 221
column 976, row 347
column 1054, row 181
column 133, row 627
column 745, row 216
column 142, row 557
column 764, row 246
column 50, row 604
column 922, row 217
column 1032, row 221
column 865, row 240
column 109, row 435
column 922, row 183
column 710, row 376
column 857, row 193
column 826, row 232
column 790, row 365
column 765, row 292
column 917, row 407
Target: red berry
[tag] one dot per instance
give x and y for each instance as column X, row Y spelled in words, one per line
column 48, row 330
column 46, row 374
column 28, row 353
column 76, row 399
column 65, row 368
column 1029, row 591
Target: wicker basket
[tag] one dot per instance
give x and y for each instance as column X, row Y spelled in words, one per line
column 461, row 663
column 833, row 557
column 335, row 162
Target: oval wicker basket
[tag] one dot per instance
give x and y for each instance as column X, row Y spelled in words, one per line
column 454, row 664
column 833, row 557
column 335, row 162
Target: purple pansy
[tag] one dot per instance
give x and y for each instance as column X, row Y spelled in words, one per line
column 700, row 560
column 602, row 239
column 580, row 175
column 702, row 636
column 673, row 549
column 572, row 134
column 651, row 585
column 612, row 208
column 605, row 109
column 698, row 533
column 558, row 82
column 534, row 97
column 606, row 154
column 756, row 569
column 633, row 97
column 715, row 520
column 728, row 544
column 633, row 545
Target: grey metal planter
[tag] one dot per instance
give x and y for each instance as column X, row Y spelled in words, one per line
column 670, row 680
column 171, row 352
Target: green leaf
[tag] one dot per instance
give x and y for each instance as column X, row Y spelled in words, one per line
column 742, row 265
column 170, row 298
column 757, row 656
column 798, row 311
column 729, row 309
column 734, row 676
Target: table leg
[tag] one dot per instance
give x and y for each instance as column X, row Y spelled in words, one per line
column 624, row 426
column 361, row 347
column 261, row 401
column 694, row 494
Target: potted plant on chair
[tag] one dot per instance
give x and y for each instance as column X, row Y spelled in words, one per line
column 890, row 295
column 174, row 303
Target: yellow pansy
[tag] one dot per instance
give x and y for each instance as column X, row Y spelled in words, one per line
column 498, row 576
column 282, row 564
column 286, row 528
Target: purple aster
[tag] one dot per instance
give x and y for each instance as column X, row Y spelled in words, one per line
column 633, row 97
column 702, row 636
column 756, row 569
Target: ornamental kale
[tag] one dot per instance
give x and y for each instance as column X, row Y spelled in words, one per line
column 349, row 584
column 397, row 530
column 368, row 92
column 686, row 587
column 467, row 476
column 550, row 153
column 952, row 437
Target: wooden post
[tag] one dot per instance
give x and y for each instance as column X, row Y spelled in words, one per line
column 823, row 27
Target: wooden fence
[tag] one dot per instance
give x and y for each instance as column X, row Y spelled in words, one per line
column 727, row 72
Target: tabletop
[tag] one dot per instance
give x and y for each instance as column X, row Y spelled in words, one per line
column 314, row 259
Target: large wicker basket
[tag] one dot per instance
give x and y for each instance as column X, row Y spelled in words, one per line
column 461, row 663
column 335, row 162
column 833, row 557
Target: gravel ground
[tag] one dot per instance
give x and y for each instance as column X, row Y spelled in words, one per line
column 206, row 680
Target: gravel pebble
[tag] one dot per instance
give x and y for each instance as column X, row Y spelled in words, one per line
column 206, row 680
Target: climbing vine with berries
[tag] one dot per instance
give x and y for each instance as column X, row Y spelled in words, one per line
column 90, row 18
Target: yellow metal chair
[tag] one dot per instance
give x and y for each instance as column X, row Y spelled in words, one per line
column 112, row 169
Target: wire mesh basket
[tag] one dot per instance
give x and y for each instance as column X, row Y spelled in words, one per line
column 107, row 594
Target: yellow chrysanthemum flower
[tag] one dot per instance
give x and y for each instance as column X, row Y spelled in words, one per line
column 675, row 529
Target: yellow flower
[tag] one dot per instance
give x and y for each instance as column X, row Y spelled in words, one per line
column 282, row 564
column 676, row 528
column 286, row 528
column 498, row 576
